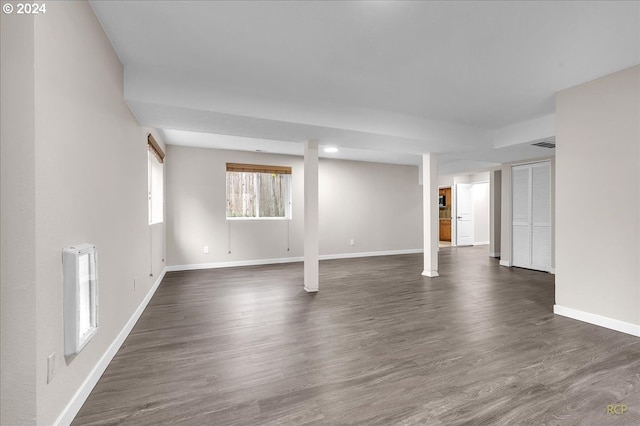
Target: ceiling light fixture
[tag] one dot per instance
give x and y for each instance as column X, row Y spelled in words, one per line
column 331, row 149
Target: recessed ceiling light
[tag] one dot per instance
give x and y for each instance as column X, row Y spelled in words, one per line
column 331, row 149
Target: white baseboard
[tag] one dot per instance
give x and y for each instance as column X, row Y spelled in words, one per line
column 431, row 274
column 505, row 263
column 369, row 254
column 81, row 395
column 599, row 320
column 257, row 262
column 494, row 254
column 233, row 264
column 552, row 271
column 481, row 243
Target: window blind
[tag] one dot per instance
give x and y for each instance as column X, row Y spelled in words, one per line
column 257, row 168
column 155, row 149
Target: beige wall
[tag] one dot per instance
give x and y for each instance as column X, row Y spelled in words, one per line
column 17, row 223
column 598, row 197
column 377, row 205
column 89, row 160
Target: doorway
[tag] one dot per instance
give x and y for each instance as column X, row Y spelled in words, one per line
column 445, row 205
column 464, row 215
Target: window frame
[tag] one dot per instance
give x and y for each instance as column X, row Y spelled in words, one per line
column 257, row 170
column 155, row 158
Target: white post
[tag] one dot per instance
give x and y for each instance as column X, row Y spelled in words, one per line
column 430, row 214
column 311, row 241
column 495, row 179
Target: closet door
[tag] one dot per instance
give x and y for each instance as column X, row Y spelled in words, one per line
column 541, row 216
column 520, row 216
column 531, row 216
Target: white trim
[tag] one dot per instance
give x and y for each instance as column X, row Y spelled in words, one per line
column 240, row 218
column 481, row 243
column 534, row 161
column 81, row 395
column 257, row 262
column 233, row 264
column 494, row 254
column 552, row 271
column 599, row 320
column 369, row 254
column 505, row 263
column 431, row 274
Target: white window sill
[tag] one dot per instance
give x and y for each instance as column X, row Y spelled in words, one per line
column 258, row 218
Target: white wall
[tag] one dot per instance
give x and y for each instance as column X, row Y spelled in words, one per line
column 377, row 205
column 89, row 163
column 598, row 197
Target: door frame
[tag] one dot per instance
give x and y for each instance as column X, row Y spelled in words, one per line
column 551, row 209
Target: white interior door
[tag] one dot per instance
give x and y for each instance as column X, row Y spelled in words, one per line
column 464, row 215
column 531, row 216
column 521, row 221
column 541, row 216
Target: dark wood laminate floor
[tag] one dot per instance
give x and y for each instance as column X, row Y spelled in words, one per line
column 380, row 344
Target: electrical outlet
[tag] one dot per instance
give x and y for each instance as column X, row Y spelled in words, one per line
column 206, row 249
column 51, row 367
column 352, row 242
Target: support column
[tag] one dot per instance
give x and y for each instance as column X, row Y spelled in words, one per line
column 311, row 218
column 495, row 190
column 430, row 214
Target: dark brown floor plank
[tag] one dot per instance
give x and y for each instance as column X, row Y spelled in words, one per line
column 379, row 344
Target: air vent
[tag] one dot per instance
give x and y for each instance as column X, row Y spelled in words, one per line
column 545, row 144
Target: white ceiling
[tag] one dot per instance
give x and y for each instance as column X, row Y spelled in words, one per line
column 385, row 81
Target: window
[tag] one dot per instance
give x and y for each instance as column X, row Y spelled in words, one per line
column 258, row 192
column 80, row 277
column 156, row 181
